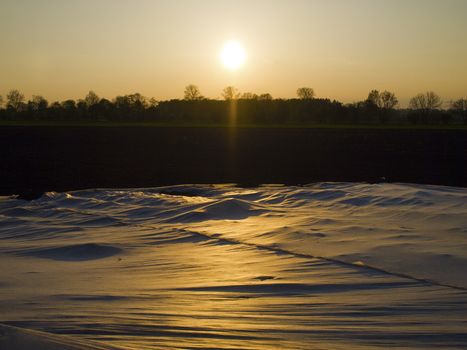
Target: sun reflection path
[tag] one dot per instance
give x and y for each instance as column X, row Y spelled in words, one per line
column 211, row 270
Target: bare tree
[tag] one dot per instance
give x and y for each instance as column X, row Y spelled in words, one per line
column 249, row 96
column 305, row 93
column 383, row 100
column 230, row 93
column 192, row 93
column 418, row 102
column 460, row 106
column 426, row 101
column 15, row 100
column 373, row 98
column 433, row 100
column 387, row 100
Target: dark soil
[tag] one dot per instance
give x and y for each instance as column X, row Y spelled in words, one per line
column 38, row 159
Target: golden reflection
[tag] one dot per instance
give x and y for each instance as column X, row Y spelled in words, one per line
column 224, row 269
column 232, row 113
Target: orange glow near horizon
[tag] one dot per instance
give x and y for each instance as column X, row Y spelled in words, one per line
column 342, row 49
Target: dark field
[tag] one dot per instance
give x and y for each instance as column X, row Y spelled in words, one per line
column 35, row 159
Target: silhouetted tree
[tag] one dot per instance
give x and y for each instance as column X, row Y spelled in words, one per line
column 55, row 111
column 425, row 101
column 81, row 109
column 91, row 99
column 133, row 105
column 305, row 93
column 69, row 108
column 138, row 101
column 388, row 100
column 15, row 100
column 103, row 109
column 424, row 107
column 230, row 93
column 69, row 105
column 152, row 103
column 122, row 106
column 121, row 101
column 192, row 93
column 460, row 107
column 380, row 104
column 385, row 99
column 373, row 99
column 37, row 106
column 249, row 96
column 37, row 103
column 265, row 97
column 249, row 108
column 3, row 113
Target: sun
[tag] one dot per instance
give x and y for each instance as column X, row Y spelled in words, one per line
column 233, row 55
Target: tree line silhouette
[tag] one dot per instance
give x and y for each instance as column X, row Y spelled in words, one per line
column 250, row 108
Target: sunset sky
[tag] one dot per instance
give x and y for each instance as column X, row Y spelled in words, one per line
column 342, row 48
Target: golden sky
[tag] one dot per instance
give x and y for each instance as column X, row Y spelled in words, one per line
column 342, row 48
